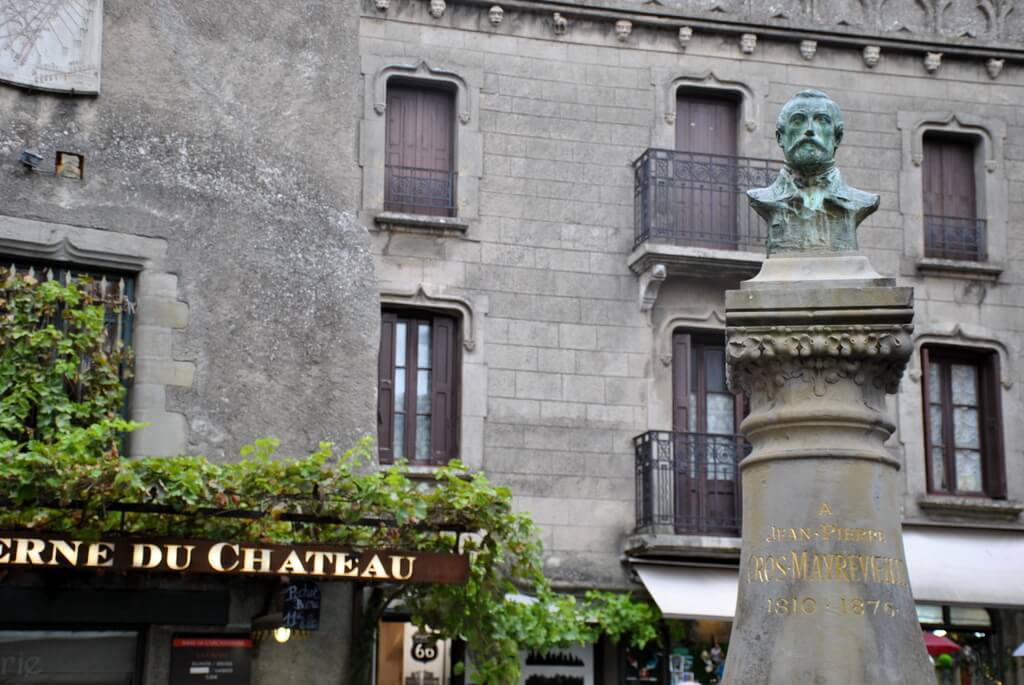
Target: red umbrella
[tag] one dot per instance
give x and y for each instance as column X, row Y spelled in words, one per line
column 939, row 645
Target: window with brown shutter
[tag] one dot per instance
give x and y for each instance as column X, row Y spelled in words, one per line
column 419, row 145
column 963, row 422
column 952, row 229
column 417, row 405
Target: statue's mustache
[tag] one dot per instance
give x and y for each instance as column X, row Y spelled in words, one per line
column 808, row 141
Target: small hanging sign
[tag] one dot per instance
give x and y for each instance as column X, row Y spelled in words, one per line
column 301, row 605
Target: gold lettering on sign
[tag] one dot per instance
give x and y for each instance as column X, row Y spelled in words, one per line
column 5, row 550
column 216, row 557
column 146, row 555
column 817, row 567
column 318, row 559
column 825, row 510
column 100, row 555
column 345, row 566
column 29, row 551
column 65, row 548
column 374, row 569
column 250, row 564
column 174, row 562
column 293, row 565
column 396, row 568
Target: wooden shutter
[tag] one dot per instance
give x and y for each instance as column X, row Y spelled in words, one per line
column 419, row 142
column 926, row 408
column 442, row 400
column 681, row 371
column 706, row 125
column 948, row 178
column 994, row 462
column 386, row 389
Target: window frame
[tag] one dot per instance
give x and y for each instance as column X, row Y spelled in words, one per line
column 421, row 87
column 990, row 424
column 934, row 138
column 446, row 362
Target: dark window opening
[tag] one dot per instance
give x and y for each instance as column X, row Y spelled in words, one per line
column 952, row 229
column 417, row 411
column 963, row 422
column 419, row 173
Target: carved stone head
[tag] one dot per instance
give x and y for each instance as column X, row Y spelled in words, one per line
column 994, row 66
column 872, row 53
column 623, row 27
column 748, row 41
column 382, row 5
column 685, row 35
column 809, row 130
column 495, row 14
column 932, row 62
column 559, row 23
column 808, row 48
column 437, row 8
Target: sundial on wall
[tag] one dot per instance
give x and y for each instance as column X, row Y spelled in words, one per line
column 51, row 44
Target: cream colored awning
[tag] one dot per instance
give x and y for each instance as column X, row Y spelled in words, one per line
column 961, row 566
column 691, row 591
column 983, row 568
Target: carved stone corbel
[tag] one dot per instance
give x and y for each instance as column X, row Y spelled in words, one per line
column 650, row 284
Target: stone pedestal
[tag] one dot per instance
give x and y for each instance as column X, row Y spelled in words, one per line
column 824, row 598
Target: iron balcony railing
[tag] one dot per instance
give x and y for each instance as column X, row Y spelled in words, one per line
column 950, row 237
column 688, row 483
column 698, row 200
column 419, row 191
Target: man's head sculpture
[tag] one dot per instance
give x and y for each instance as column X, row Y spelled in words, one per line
column 809, row 130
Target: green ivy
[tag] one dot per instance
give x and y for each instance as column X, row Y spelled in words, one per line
column 60, row 394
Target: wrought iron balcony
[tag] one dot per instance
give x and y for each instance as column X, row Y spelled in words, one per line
column 413, row 190
column 697, row 200
column 948, row 237
column 688, row 483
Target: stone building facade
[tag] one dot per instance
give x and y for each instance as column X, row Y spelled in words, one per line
column 593, row 221
column 254, row 299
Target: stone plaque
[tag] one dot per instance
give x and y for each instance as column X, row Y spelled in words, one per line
column 51, row 44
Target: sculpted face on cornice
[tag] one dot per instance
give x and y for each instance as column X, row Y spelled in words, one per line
column 966, row 22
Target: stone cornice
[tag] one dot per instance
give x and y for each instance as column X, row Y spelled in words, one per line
column 983, row 28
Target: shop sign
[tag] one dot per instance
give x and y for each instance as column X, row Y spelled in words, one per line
column 301, row 605
column 204, row 659
column 322, row 562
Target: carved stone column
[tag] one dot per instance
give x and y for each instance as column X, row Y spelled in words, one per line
column 817, row 342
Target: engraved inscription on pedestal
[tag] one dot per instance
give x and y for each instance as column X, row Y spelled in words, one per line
column 51, row 44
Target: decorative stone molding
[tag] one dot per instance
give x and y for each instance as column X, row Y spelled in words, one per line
column 994, row 66
column 871, row 55
column 979, row 338
column 623, row 27
column 808, row 48
column 727, row 79
column 685, row 36
column 559, row 24
column 970, row 508
column 420, row 297
column 932, row 62
column 159, row 314
column 465, row 82
column 650, row 284
column 495, row 14
column 748, row 43
column 762, row 359
column 420, row 69
column 990, row 191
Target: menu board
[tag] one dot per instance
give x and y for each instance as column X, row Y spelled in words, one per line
column 211, row 658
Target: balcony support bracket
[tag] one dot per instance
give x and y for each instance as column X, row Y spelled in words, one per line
column 650, row 283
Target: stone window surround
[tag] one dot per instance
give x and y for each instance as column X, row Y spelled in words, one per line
column 159, row 313
column 911, row 418
column 466, row 81
column 660, row 401
column 724, row 79
column 473, row 372
column 990, row 177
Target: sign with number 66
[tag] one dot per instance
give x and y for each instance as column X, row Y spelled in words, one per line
column 424, row 648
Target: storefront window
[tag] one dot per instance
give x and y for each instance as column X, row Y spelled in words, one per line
column 68, row 657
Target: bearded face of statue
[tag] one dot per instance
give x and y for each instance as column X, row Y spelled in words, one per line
column 809, row 131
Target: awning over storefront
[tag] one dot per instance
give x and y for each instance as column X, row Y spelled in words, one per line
column 967, row 567
column 691, row 591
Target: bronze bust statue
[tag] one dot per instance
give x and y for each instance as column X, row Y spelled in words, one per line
column 809, row 208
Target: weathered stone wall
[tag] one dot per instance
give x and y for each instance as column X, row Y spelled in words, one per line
column 219, row 155
column 220, row 167
column 574, row 369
